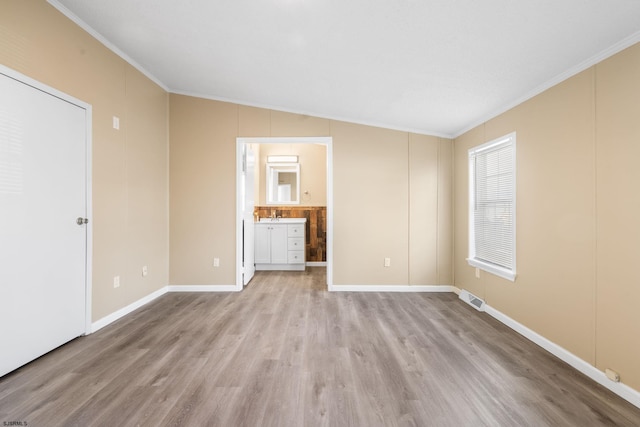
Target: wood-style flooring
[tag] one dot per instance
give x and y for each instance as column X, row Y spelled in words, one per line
column 285, row 352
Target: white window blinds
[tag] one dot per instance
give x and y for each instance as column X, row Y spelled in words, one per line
column 492, row 206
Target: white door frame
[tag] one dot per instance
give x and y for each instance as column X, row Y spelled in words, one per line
column 89, row 208
column 324, row 140
column 248, row 234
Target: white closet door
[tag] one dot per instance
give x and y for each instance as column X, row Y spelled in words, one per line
column 42, row 248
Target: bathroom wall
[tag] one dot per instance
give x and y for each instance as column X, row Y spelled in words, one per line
column 313, row 171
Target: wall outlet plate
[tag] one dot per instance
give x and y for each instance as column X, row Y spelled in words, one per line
column 612, row 375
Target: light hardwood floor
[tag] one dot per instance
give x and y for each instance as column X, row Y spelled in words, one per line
column 285, row 352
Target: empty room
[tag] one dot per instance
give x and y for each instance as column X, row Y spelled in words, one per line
column 306, row 213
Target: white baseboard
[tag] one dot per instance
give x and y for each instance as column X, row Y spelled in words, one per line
column 391, row 288
column 99, row 324
column 629, row 394
column 622, row 390
column 203, row 288
column 316, row 264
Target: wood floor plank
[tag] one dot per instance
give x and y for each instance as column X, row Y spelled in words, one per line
column 285, row 352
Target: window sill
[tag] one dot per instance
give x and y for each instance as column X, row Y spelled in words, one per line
column 493, row 269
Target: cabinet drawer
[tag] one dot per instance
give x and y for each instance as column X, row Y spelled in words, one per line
column 296, row 257
column 296, row 244
column 296, row 230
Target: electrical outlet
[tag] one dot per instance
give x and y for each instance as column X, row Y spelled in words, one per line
column 116, row 122
column 116, row 281
column 612, row 375
column 216, row 262
column 387, row 262
column 144, row 271
column 477, row 273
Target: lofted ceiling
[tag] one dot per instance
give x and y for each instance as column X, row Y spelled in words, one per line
column 437, row 67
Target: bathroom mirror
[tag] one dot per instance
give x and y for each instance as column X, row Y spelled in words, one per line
column 283, row 183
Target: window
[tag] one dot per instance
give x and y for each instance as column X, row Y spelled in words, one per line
column 492, row 207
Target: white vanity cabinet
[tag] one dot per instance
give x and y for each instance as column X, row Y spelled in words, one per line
column 271, row 244
column 280, row 245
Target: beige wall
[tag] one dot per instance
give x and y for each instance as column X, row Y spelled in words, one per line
column 577, row 209
column 371, row 205
column 618, row 207
column 313, row 171
column 373, row 184
column 577, row 200
column 430, row 220
column 373, row 187
column 203, row 191
column 129, row 180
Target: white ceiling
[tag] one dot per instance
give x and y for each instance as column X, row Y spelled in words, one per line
column 429, row 66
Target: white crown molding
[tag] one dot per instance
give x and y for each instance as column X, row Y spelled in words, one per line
column 599, row 57
column 606, row 53
column 66, row 12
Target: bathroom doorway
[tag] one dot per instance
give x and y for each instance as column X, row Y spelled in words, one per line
column 245, row 202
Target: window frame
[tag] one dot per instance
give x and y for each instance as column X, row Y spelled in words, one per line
column 498, row 270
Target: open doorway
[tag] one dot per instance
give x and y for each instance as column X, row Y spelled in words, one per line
column 245, row 201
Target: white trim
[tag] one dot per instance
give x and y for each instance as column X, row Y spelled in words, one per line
column 268, row 183
column 282, row 159
column 391, row 288
column 599, row 57
column 590, row 62
column 280, row 267
column 473, row 152
column 493, row 269
column 622, row 390
column 330, row 239
column 118, row 314
column 316, row 264
column 239, row 215
column 284, row 140
column 96, row 35
column 43, row 87
column 323, row 140
column 495, row 143
column 88, row 176
column 203, row 288
column 89, row 225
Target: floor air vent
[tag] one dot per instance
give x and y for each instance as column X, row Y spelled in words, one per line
column 472, row 300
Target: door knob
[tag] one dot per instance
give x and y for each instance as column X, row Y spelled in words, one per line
column 81, row 221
